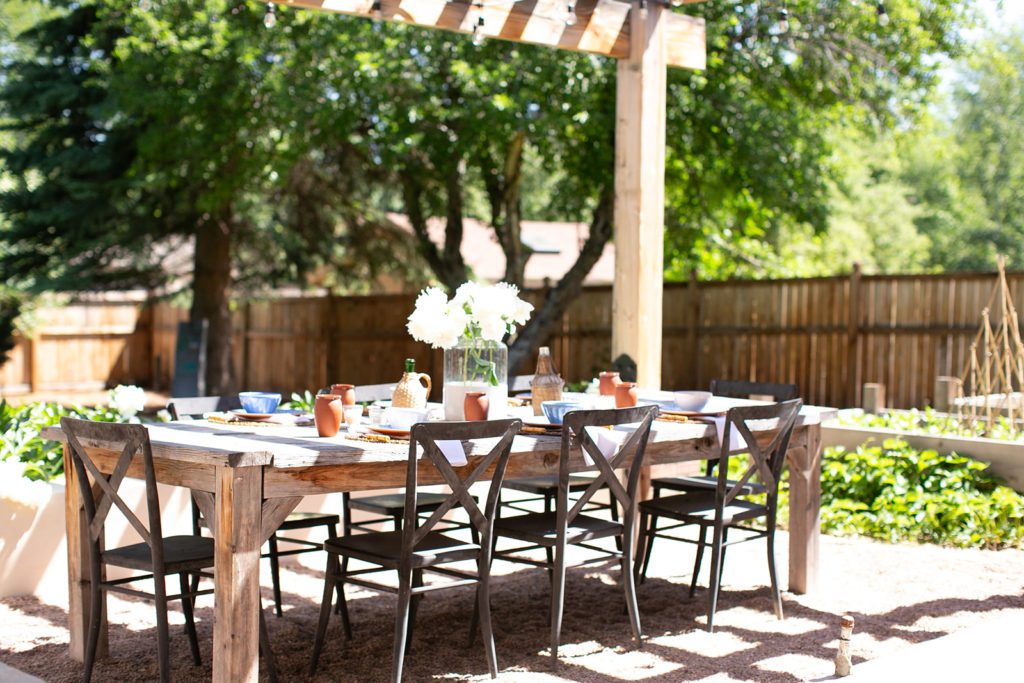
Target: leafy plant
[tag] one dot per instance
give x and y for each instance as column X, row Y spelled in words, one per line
column 304, row 402
column 928, row 421
column 896, row 493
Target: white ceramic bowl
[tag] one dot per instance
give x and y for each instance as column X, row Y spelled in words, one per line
column 404, row 418
column 692, row 400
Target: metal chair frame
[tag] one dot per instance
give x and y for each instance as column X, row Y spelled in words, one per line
column 694, row 507
column 630, row 456
column 410, row 565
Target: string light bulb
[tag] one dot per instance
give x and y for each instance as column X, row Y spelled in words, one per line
column 783, row 24
column 570, row 14
column 270, row 18
column 478, row 31
column 883, row 16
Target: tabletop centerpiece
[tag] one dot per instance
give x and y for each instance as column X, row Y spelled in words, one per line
column 471, row 328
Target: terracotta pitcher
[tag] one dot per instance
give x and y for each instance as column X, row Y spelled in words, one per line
column 625, row 395
column 347, row 393
column 476, row 404
column 328, row 414
column 607, row 381
column 413, row 389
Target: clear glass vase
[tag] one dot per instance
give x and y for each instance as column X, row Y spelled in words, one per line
column 475, row 365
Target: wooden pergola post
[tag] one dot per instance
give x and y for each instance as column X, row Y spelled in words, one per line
column 640, row 194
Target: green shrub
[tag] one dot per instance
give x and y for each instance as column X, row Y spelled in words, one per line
column 928, row 421
column 896, row 493
column 20, row 428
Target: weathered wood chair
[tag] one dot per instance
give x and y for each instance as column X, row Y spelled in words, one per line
column 730, row 389
column 195, row 407
column 181, row 555
column 419, row 547
column 568, row 525
column 723, row 509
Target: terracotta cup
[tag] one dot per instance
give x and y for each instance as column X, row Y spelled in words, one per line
column 607, row 381
column 475, row 405
column 347, row 392
column 328, row 414
column 625, row 395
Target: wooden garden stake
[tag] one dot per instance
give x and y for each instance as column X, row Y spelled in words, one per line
column 844, row 664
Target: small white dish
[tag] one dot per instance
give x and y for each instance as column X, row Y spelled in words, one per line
column 694, row 401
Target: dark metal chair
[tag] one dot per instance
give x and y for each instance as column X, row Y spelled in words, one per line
column 193, row 407
column 723, row 509
column 730, row 389
column 418, row 547
column 181, row 555
column 569, row 526
column 387, row 507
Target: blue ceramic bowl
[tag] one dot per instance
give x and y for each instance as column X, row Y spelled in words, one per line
column 259, row 401
column 555, row 411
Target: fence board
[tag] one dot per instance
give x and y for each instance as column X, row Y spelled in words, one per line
column 829, row 335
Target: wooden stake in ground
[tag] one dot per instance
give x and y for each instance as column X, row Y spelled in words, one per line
column 844, row 663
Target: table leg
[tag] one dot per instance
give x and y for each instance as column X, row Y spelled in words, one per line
column 237, row 538
column 805, row 510
column 79, row 580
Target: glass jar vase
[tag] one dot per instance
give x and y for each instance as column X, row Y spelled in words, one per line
column 475, row 365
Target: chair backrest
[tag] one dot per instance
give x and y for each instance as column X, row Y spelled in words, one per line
column 425, row 436
column 630, row 455
column 374, row 392
column 132, row 440
column 766, row 460
column 520, row 384
column 733, row 388
column 196, row 406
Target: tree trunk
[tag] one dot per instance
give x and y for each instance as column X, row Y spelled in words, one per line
column 211, row 290
column 506, row 215
column 447, row 265
column 556, row 302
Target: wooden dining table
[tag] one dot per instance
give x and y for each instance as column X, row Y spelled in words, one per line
column 247, row 479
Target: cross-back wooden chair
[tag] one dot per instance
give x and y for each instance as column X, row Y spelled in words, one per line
column 419, row 546
column 195, row 407
column 729, row 388
column 567, row 525
column 159, row 555
column 724, row 508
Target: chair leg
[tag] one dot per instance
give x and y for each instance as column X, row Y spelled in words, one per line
column 401, row 621
column 613, row 511
column 266, row 650
column 190, row 621
column 649, row 546
column 550, row 555
column 330, row 578
column 483, row 608
column 701, row 542
column 629, row 583
column 557, row 598
column 417, row 581
column 163, row 644
column 721, row 560
column 716, row 572
column 332, row 533
column 776, row 594
column 644, row 544
column 275, row 573
column 95, row 612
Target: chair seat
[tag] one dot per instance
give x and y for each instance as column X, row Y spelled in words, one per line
column 547, row 484
column 385, row 548
column 394, row 503
column 704, row 483
column 307, row 520
column 699, row 508
column 180, row 553
column 540, row 528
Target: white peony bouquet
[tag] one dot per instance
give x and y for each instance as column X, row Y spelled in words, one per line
column 127, row 401
column 477, row 311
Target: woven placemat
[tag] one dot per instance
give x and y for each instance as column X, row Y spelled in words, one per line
column 376, row 438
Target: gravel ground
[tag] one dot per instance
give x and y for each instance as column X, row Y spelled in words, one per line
column 899, row 594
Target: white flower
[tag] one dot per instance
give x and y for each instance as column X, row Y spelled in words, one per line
column 127, row 400
column 163, row 415
column 492, row 327
column 492, row 311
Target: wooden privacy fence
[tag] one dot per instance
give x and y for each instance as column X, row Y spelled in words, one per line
column 829, row 335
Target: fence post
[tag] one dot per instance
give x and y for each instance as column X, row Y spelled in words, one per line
column 873, row 397
column 946, row 391
column 695, row 306
column 852, row 383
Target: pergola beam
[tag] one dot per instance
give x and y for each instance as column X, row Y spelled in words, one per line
column 602, row 27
